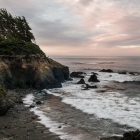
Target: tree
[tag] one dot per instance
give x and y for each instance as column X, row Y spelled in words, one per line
column 14, row 27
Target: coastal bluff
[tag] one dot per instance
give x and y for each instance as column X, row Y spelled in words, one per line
column 34, row 71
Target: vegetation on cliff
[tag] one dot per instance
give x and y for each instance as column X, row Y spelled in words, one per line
column 22, row 63
column 16, row 37
column 15, row 46
column 14, row 27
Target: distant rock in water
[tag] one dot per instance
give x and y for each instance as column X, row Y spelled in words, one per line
column 95, row 73
column 106, row 70
column 87, row 87
column 93, row 78
column 82, row 81
column 123, row 72
column 31, row 72
column 77, row 74
column 132, row 73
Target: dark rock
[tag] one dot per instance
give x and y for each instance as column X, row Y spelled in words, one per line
column 95, row 73
column 106, row 70
column 93, row 78
column 32, row 106
column 61, row 74
column 132, row 135
column 123, row 72
column 82, row 81
column 35, row 73
column 60, row 126
column 132, row 73
column 87, row 86
column 39, row 102
column 4, row 107
column 77, row 74
column 70, row 79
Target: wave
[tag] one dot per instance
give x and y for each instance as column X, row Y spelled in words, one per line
column 118, row 107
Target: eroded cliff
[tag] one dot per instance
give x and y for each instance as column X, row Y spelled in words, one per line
column 31, row 72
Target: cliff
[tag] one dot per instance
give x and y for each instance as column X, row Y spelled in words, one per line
column 31, row 72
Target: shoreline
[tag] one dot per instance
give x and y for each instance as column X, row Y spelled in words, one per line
column 20, row 123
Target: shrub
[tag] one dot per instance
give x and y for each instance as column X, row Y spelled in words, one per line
column 18, row 47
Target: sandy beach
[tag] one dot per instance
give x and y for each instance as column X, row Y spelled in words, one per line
column 21, row 124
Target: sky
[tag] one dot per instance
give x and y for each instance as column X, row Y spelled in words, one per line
column 82, row 27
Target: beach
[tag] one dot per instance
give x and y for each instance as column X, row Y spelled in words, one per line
column 21, row 124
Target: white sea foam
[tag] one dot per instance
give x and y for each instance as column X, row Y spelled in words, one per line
column 118, row 107
column 47, row 122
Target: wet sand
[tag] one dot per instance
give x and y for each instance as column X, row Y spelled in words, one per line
column 21, row 124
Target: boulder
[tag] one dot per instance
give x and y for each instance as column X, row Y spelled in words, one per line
column 132, row 135
column 5, row 106
column 87, row 87
column 93, row 78
column 122, row 72
column 95, row 73
column 39, row 102
column 32, row 106
column 106, row 70
column 132, row 73
column 82, row 81
column 77, row 74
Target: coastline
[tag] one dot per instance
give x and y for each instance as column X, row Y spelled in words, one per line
column 20, row 123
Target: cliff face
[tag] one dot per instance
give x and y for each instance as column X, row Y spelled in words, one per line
column 31, row 72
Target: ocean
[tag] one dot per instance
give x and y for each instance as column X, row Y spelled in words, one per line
column 110, row 110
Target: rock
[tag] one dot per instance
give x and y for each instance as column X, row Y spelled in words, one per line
column 39, row 102
column 4, row 107
column 93, row 78
column 123, row 72
column 132, row 73
column 106, row 70
column 60, row 126
column 32, row 106
column 70, row 79
column 77, row 74
column 38, row 73
column 95, row 73
column 87, row 86
column 82, row 81
column 132, row 135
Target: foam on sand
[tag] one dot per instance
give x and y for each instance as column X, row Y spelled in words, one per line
column 47, row 122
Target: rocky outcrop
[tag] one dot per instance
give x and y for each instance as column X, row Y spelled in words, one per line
column 81, row 81
column 93, row 78
column 106, row 70
column 87, row 87
column 132, row 135
column 31, row 72
column 77, row 74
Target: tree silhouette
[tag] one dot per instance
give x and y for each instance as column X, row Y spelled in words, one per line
column 14, row 27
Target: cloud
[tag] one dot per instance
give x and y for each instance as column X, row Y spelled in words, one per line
column 81, row 23
column 85, row 2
